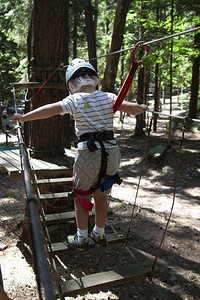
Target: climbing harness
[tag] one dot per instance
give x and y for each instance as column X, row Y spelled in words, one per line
column 91, row 138
column 130, row 76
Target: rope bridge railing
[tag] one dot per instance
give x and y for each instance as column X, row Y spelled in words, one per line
column 42, row 269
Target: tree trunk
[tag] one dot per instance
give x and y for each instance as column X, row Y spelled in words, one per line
column 90, row 32
column 164, row 94
column 194, row 88
column 195, row 80
column 48, row 50
column 156, row 96
column 171, row 73
column 147, row 80
column 1, row 124
column 121, row 81
column 116, row 43
column 140, row 100
column 75, row 37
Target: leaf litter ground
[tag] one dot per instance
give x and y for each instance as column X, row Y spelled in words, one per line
column 179, row 259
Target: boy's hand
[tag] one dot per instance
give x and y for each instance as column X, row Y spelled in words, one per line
column 132, row 108
column 144, row 107
column 17, row 116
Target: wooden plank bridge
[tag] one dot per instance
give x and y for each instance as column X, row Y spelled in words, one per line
column 44, row 168
column 53, row 179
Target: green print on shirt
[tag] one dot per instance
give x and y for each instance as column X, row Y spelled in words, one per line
column 86, row 105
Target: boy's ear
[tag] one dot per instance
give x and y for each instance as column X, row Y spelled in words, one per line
column 72, row 85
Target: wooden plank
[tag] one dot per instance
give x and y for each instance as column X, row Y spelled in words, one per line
column 65, row 161
column 66, row 216
column 39, row 164
column 112, row 238
column 10, row 163
column 61, row 217
column 65, row 180
column 36, row 163
column 6, row 155
column 13, row 158
column 119, row 276
column 53, row 172
column 6, row 166
column 62, row 161
column 52, row 166
column 56, row 196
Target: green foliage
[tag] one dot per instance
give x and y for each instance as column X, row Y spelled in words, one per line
column 13, row 46
column 146, row 20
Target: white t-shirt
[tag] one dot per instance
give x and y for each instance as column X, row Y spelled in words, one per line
column 91, row 112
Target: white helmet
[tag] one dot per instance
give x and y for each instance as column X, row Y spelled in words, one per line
column 77, row 64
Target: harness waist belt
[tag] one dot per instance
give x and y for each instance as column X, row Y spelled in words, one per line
column 104, row 135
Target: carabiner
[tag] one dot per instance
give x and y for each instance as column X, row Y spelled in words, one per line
column 134, row 51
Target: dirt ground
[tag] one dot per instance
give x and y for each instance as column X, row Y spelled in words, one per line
column 179, row 259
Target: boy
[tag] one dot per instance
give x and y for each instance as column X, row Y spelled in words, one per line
column 98, row 156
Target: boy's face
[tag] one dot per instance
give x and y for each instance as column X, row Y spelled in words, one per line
column 83, row 80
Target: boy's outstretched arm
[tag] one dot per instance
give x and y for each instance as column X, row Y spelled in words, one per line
column 132, row 108
column 43, row 112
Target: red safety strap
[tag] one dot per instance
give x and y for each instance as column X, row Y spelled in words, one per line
column 86, row 204
column 130, row 76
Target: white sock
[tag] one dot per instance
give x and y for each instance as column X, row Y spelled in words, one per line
column 82, row 234
column 98, row 230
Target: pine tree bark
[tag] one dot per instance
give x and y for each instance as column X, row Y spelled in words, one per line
column 47, row 50
column 140, row 100
column 156, row 96
column 195, row 79
column 194, row 88
column 1, row 124
column 90, row 32
column 116, row 43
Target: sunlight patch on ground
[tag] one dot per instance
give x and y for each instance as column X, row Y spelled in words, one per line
column 5, row 218
column 195, row 192
column 146, row 199
column 2, row 234
column 17, row 261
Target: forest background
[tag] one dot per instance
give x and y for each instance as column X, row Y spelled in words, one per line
column 91, row 29
column 144, row 20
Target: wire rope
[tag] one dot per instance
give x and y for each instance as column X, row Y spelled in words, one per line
column 148, row 43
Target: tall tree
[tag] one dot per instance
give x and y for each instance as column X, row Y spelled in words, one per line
column 195, row 80
column 48, row 50
column 140, row 100
column 156, row 95
column 90, row 31
column 12, row 44
column 141, row 80
column 116, row 43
